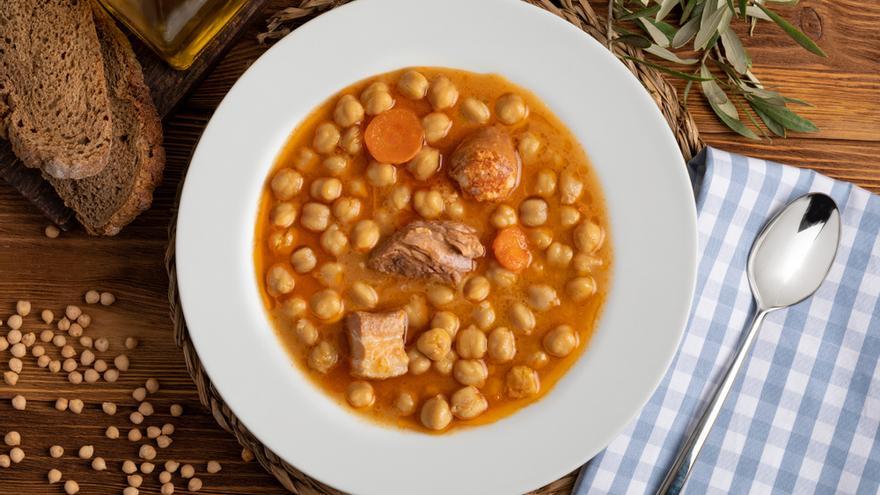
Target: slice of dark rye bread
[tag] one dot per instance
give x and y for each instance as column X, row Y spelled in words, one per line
column 54, row 104
column 111, row 199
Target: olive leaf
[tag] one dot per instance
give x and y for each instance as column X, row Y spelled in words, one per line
column 634, row 40
column 654, row 32
column 801, row 38
column 665, row 54
column 686, row 33
column 734, row 51
column 717, row 97
column 647, row 12
column 710, row 27
column 782, row 115
column 665, row 7
column 771, row 124
column 667, row 70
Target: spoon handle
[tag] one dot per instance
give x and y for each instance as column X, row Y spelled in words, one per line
column 690, row 449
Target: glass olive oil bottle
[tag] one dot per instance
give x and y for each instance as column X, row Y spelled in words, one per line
column 177, row 30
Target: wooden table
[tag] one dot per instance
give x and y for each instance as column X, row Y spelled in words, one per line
column 51, row 273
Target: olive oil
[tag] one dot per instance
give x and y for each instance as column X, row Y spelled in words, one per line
column 177, row 30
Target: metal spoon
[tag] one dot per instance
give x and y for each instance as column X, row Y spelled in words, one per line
column 788, row 261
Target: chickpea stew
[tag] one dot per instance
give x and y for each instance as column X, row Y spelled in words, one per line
column 432, row 248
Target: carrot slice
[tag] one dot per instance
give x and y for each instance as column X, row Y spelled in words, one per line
column 511, row 248
column 394, row 136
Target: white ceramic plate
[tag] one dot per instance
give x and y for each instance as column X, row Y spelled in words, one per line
column 653, row 225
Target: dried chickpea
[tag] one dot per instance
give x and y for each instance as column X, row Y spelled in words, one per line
column 176, row 410
column 334, row 240
column 470, row 372
column 533, row 212
column 283, row 215
column 315, row 217
column 588, row 236
column 10, row 378
column 326, row 304
column 477, row 288
column 47, row 316
column 213, row 467
column 484, row 315
column 348, row 111
column 365, row 235
column 28, row 339
column 19, row 350
column 560, row 341
column 121, row 362
column 99, row 464
column 471, row 343
column 51, row 231
column 71, row 487
column 54, row 476
column 439, row 295
column 43, row 361
column 112, row 432
column 129, row 467
column 413, row 85
column 107, row 298
column 405, row 403
column 147, row 452
column 528, row 147
column 152, row 385
column 381, row 174
column 16, row 364
column 16, row 455
column 346, row 209
column 286, row 183
column 279, row 280
column 435, row 343
column 503, row 216
column 91, row 376
column 378, row 102
column 323, row 357
column 194, row 485
column 38, row 351
column 14, row 322
column 418, row 363
column 352, row 141
column 468, row 403
column 45, row 336
column 580, row 288
column 86, row 452
column 335, row 164
column 363, row 294
column 164, row 477
column 442, row 93
column 522, row 381
column 436, row 126
column 559, row 254
column 12, row 439
column 428, row 203
column 139, row 394
column 147, row 467
column 436, row 414
column 425, row 164
column 326, row 138
column 23, row 308
column 5, row 461
column 360, row 394
column 475, row 110
column 326, row 189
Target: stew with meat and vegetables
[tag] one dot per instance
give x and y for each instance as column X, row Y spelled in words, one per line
column 432, row 248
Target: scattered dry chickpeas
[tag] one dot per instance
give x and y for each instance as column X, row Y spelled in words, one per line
column 71, row 487
column 107, row 298
column 176, row 410
column 76, row 405
column 54, row 476
column 147, row 467
column 92, row 297
column 131, row 343
column 99, row 464
column 214, row 467
column 61, row 404
column 135, row 435
column 12, row 439
column 152, row 385
column 147, row 452
column 188, row 471
column 247, row 455
column 19, row 403
column 86, row 451
column 194, row 485
column 16, row 455
column 51, row 231
column 56, row 451
column 112, row 432
column 23, row 308
column 129, row 467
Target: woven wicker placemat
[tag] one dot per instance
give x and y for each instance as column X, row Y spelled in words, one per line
column 577, row 12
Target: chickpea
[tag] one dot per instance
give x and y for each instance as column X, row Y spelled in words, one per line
column 364, row 235
column 323, row 357
column 279, row 280
column 444, row 365
column 400, row 196
column 584, row 263
column 417, row 311
column 569, row 216
column 570, row 188
column 522, row 381
column 372, row 89
column 326, row 138
column 500, row 276
column 286, row 183
column 326, row 304
column 470, row 343
column 381, row 174
column 511, row 109
column 334, row 240
column 541, row 238
column 435, row 413
column 521, row 317
column 538, row 359
column 455, row 209
column 282, row 241
column 475, row 110
column 304, row 160
column 429, row 204
column 378, row 103
column 501, row 345
column 357, row 187
column 348, row 111
column 363, row 294
column 418, row 363
column 303, row 260
column 405, row 403
column 315, row 217
column 560, row 341
column 335, row 164
column 352, row 141
column 541, row 297
column 439, row 295
column 528, row 147
column 470, row 372
column 580, row 288
column 330, row 274
column 435, row 343
column 468, row 403
column 425, row 163
column 533, row 212
column 413, row 85
column 545, row 183
column 346, row 209
column 559, row 254
column 588, row 236
column 436, row 126
column 442, row 93
column 305, row 332
column 476, row 288
column 283, row 215
column 484, row 315
column 326, row 189
column 446, row 320
column 503, row 216
column 360, row 394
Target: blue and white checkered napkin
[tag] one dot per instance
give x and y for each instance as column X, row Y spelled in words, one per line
column 805, row 417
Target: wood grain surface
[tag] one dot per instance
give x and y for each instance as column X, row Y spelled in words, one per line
column 845, row 89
